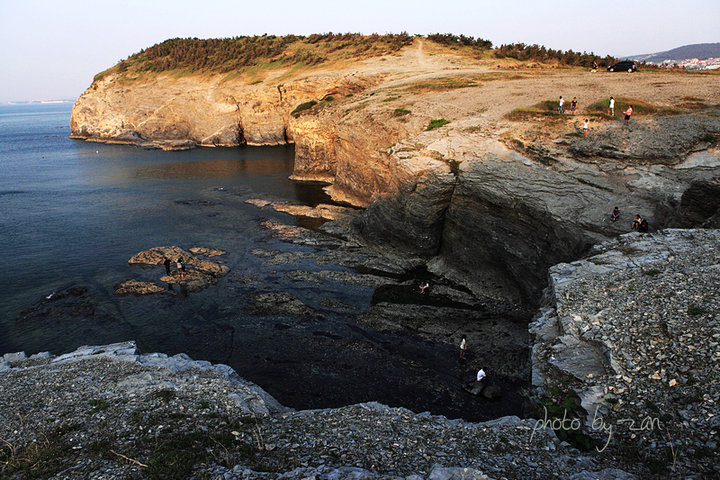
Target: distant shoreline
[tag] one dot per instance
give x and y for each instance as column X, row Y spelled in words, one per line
column 36, row 102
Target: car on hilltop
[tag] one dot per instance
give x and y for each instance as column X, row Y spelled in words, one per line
column 624, row 66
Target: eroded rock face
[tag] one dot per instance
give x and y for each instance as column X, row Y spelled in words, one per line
column 177, row 113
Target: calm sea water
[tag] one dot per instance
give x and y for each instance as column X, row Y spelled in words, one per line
column 73, row 213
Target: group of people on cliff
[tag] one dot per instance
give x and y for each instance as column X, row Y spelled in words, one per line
column 586, row 123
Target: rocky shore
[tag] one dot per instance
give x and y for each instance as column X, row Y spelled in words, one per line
column 106, row 413
column 625, row 364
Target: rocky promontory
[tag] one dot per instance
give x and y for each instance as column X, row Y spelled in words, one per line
column 456, row 156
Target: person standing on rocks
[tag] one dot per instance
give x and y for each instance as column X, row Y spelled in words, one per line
column 463, row 347
column 166, row 262
column 611, row 107
column 180, row 266
column 586, row 127
column 573, row 105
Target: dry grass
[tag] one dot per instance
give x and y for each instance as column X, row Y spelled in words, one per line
column 452, row 82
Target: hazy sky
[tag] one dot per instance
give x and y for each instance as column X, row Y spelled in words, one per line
column 52, row 49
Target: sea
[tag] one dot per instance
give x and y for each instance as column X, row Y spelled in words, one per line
column 74, row 212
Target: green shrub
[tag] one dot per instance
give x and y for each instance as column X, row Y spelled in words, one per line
column 401, row 111
column 436, row 123
column 302, row 107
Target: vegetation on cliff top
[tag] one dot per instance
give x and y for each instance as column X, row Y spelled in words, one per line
column 538, row 53
column 232, row 54
column 236, row 54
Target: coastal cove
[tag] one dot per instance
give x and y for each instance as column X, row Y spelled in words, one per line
column 75, row 212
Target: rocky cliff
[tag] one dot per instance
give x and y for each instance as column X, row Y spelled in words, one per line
column 491, row 199
column 630, row 334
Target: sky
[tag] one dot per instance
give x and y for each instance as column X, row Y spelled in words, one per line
column 52, row 49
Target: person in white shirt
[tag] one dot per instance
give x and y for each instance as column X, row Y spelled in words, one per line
column 561, row 109
column 463, row 347
column 611, row 106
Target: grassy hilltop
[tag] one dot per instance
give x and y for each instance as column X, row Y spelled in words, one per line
column 242, row 54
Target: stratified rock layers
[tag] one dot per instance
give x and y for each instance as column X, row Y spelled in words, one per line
column 491, row 217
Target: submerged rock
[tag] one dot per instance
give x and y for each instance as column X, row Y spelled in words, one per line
column 136, row 287
column 207, row 252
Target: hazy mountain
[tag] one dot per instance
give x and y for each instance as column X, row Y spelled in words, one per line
column 700, row 51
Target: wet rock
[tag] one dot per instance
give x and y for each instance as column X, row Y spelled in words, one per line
column 324, row 211
column 136, row 287
column 157, row 255
column 192, row 281
column 279, row 303
column 207, row 252
column 199, row 274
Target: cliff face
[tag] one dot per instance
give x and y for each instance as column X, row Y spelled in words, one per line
column 198, row 111
column 487, row 201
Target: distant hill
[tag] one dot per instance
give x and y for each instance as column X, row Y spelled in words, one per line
column 700, row 51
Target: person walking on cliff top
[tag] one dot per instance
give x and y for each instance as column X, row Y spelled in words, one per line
column 611, row 107
column 628, row 112
column 561, row 108
column 573, row 105
column 463, row 347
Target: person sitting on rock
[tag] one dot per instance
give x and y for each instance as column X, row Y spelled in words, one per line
column 480, row 375
column 615, row 214
column 636, row 222
column 423, row 287
column 643, row 226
